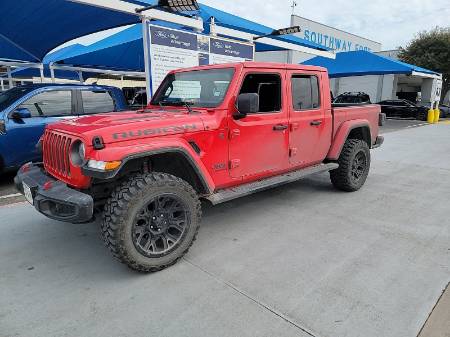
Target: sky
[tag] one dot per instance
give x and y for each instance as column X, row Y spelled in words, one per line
column 392, row 22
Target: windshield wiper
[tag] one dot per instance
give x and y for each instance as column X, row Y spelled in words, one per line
column 187, row 105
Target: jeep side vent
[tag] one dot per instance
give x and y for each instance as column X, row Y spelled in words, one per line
column 195, row 146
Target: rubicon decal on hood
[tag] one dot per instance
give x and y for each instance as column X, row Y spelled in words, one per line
column 156, row 131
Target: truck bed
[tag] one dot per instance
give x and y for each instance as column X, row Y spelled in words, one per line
column 357, row 112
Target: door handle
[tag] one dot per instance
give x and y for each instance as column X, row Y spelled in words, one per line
column 280, row 127
column 315, row 123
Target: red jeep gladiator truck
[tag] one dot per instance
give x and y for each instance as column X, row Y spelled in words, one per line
column 214, row 132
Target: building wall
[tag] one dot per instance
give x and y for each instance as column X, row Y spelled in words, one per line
column 367, row 84
column 378, row 87
column 335, row 39
column 281, row 56
column 392, row 54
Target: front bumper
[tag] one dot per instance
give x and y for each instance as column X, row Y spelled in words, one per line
column 378, row 142
column 53, row 198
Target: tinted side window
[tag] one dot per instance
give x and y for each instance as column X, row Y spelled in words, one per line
column 268, row 87
column 305, row 92
column 97, row 101
column 50, row 103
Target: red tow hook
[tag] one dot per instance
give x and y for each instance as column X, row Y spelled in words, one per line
column 47, row 186
column 25, row 168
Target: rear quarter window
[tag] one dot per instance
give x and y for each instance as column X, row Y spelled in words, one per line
column 97, row 101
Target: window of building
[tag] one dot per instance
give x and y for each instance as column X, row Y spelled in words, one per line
column 50, row 103
column 268, row 87
column 305, row 92
column 97, row 101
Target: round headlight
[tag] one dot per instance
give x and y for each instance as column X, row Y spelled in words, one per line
column 78, row 153
column 82, row 151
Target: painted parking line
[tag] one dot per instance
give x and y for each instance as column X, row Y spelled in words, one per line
column 416, row 125
column 8, row 196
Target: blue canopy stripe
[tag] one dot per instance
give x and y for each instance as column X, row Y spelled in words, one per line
column 30, row 29
column 360, row 63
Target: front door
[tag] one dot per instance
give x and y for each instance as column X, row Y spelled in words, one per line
column 310, row 122
column 259, row 142
column 23, row 134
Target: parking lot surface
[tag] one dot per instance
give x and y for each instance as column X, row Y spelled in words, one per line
column 298, row 260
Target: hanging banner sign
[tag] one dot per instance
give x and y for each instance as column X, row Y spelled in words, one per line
column 173, row 49
column 223, row 51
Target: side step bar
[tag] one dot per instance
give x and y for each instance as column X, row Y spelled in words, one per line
column 264, row 184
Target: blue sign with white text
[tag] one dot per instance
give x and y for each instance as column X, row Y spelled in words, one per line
column 173, row 38
column 223, row 47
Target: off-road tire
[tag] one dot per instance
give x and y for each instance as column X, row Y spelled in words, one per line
column 341, row 177
column 127, row 200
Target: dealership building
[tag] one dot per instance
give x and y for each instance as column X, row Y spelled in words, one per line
column 391, row 80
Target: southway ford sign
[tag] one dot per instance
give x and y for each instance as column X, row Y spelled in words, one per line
column 332, row 38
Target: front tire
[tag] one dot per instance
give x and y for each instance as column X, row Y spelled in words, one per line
column 354, row 165
column 151, row 220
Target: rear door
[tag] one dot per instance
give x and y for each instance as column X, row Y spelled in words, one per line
column 259, row 142
column 310, row 120
column 46, row 106
column 95, row 101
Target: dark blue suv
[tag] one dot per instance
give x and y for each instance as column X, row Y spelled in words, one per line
column 26, row 110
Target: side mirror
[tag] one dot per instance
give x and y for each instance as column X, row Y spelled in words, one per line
column 246, row 103
column 21, row 113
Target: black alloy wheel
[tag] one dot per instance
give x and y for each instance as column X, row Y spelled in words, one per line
column 160, row 225
column 359, row 165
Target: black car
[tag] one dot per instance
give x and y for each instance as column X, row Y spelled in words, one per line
column 352, row 98
column 404, row 109
column 445, row 110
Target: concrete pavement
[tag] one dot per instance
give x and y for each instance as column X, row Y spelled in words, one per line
column 299, row 260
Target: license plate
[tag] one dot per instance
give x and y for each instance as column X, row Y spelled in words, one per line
column 27, row 193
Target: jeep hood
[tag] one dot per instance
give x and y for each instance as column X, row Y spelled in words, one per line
column 122, row 126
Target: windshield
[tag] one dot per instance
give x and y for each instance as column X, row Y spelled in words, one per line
column 199, row 88
column 10, row 96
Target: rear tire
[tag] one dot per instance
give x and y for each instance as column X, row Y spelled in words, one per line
column 422, row 116
column 151, row 220
column 354, row 165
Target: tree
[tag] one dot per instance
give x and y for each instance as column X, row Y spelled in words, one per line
column 431, row 50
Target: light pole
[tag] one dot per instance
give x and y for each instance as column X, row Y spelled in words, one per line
column 294, row 4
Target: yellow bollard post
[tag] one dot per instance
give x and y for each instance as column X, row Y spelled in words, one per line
column 437, row 114
column 430, row 116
